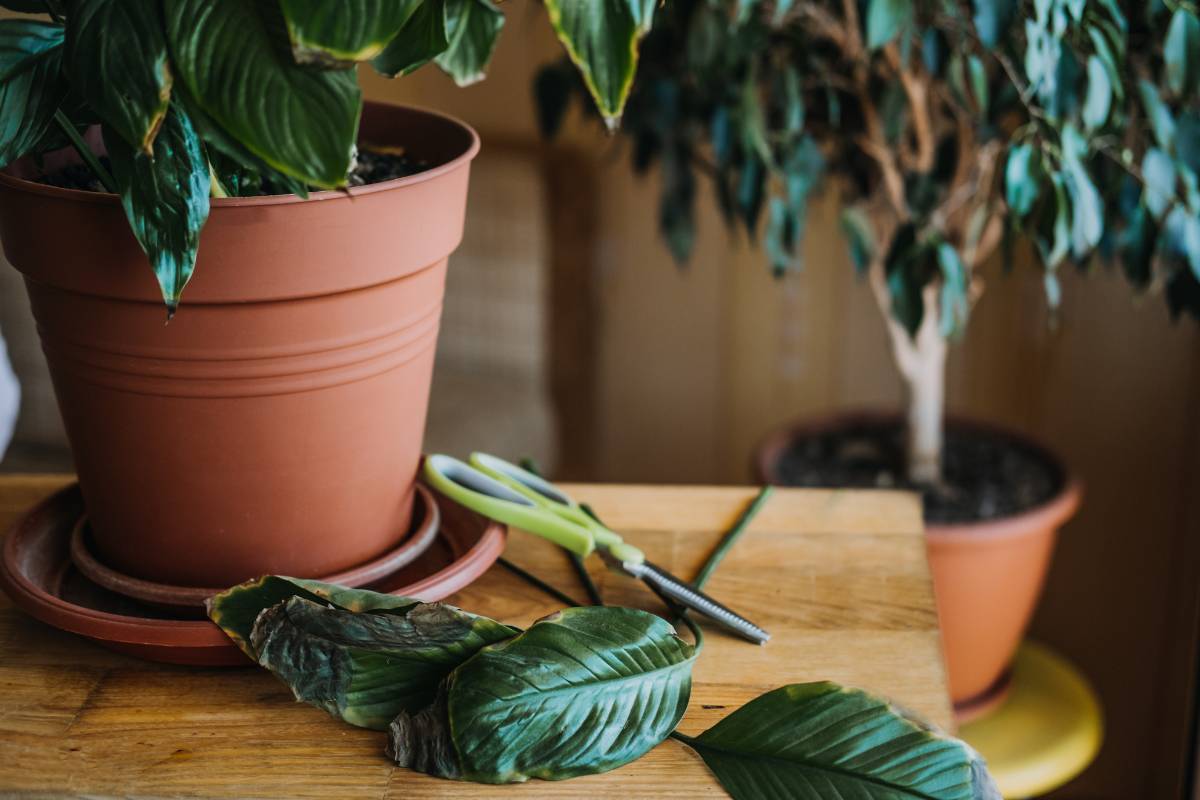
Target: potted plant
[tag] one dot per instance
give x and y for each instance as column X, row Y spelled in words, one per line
column 274, row 424
column 951, row 131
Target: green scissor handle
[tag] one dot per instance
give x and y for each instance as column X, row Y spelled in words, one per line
column 505, row 492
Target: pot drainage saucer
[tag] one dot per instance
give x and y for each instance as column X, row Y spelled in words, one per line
column 191, row 598
column 37, row 573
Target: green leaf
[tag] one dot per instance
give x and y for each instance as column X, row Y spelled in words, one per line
column 979, row 82
column 992, row 18
column 421, row 38
column 367, row 667
column 954, row 305
column 28, row 100
column 234, row 610
column 343, row 32
column 1158, row 170
column 676, row 215
column 472, row 27
column 1098, row 102
column 1182, row 232
column 117, row 61
column 602, row 39
column 1023, row 177
column 1058, row 219
column 23, row 42
column 1181, row 51
column 1104, row 52
column 301, row 122
column 1159, row 115
column 859, row 236
column 165, row 199
column 582, row 691
column 887, row 20
column 902, row 266
column 820, row 740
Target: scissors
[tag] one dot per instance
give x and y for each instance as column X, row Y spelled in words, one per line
column 515, row 496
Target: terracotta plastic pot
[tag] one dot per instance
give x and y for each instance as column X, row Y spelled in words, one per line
column 987, row 576
column 275, row 425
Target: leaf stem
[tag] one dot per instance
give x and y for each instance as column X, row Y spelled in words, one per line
column 534, row 580
column 85, row 152
column 731, row 536
column 585, row 578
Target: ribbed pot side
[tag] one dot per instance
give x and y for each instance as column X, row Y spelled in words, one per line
column 275, row 425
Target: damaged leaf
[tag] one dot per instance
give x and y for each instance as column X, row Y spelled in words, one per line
column 581, row 692
column 365, row 668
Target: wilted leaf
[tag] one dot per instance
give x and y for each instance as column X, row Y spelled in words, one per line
column 301, row 122
column 117, row 61
column 815, row 741
column 472, row 27
column 343, row 32
column 367, row 667
column 602, row 39
column 419, row 41
column 165, row 198
column 582, row 691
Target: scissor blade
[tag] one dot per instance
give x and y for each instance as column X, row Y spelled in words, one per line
column 670, row 586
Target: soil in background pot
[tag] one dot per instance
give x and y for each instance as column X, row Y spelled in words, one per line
column 986, row 475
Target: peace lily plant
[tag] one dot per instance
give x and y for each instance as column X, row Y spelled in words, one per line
column 217, row 98
column 951, row 129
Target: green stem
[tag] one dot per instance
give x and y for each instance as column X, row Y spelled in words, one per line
column 585, row 578
column 534, row 580
column 85, row 152
column 730, row 538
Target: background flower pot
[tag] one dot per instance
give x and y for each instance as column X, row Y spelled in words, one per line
column 987, row 575
column 275, row 424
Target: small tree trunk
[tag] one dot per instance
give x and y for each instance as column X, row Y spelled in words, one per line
column 921, row 361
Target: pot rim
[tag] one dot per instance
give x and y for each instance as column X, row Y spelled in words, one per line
column 1048, row 515
column 108, row 198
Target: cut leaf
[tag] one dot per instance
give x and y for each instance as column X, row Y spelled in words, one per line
column 819, row 740
column 417, row 43
column 235, row 610
column 300, row 122
column 365, row 668
column 165, row 199
column 117, row 61
column 472, row 27
column 602, row 39
column 583, row 691
column 343, row 32
column 28, row 100
column 23, row 41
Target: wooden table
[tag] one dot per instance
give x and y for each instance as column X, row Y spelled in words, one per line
column 838, row 577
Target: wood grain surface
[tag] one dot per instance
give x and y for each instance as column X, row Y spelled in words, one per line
column 838, row 577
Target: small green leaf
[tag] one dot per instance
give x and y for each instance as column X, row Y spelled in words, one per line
column 1058, row 219
column 1098, row 102
column 472, row 27
column 117, row 60
column 1023, row 177
column 602, row 39
column 165, row 198
column 979, row 82
column 814, row 741
column 992, row 18
column 859, row 236
column 1159, row 115
column 301, row 122
column 954, row 305
column 23, row 41
column 367, row 667
column 902, row 266
column 419, row 41
column 1158, row 170
column 343, row 32
column 1181, row 51
column 1182, row 233
column 1104, row 52
column 583, row 691
column 887, row 20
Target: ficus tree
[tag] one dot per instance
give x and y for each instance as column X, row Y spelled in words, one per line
column 950, row 130
column 210, row 98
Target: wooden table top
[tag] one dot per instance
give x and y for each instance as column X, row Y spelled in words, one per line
column 839, row 578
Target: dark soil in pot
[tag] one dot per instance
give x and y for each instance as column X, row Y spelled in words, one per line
column 372, row 166
column 986, row 474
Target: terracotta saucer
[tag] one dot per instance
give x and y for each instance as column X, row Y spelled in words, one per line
column 426, row 521
column 37, row 573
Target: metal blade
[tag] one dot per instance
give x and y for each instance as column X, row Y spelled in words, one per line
column 662, row 581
